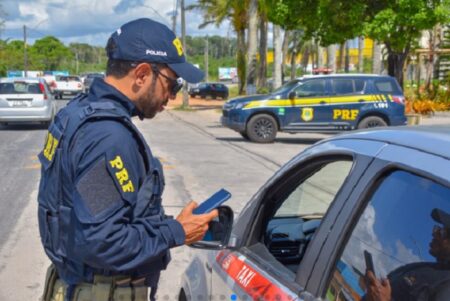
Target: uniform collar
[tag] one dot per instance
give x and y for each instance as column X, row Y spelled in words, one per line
column 100, row 90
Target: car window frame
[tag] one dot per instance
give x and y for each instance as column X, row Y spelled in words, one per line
column 310, row 80
column 353, row 80
column 391, row 158
column 329, row 151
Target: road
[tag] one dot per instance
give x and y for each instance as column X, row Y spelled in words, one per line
column 198, row 156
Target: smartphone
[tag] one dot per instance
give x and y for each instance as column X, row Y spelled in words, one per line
column 213, row 202
column 369, row 262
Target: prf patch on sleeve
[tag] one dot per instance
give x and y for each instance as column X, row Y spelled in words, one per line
column 51, row 143
column 121, row 174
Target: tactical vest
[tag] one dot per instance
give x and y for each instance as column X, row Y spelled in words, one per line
column 55, row 208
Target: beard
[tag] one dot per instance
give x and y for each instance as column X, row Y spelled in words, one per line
column 149, row 104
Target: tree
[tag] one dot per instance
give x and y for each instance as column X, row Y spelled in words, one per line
column 252, row 12
column 49, row 53
column 215, row 12
column 399, row 25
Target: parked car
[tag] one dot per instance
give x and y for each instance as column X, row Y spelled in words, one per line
column 213, row 90
column 26, row 100
column 322, row 103
column 89, row 79
column 67, row 85
column 373, row 200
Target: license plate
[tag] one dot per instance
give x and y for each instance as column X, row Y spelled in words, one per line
column 19, row 103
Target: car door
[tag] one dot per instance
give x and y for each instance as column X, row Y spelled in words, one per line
column 396, row 223
column 346, row 101
column 266, row 253
column 309, row 106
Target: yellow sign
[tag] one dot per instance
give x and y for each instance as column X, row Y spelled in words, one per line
column 178, row 46
column 307, row 114
column 345, row 114
column 122, row 174
column 50, row 147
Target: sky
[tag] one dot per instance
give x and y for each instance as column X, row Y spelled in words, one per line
column 93, row 21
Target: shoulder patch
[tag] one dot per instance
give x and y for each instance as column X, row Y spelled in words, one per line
column 97, row 189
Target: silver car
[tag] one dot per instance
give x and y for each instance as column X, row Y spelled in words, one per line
column 351, row 218
column 26, row 100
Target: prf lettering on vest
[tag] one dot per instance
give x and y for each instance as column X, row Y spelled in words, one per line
column 345, row 114
column 122, row 174
column 50, row 146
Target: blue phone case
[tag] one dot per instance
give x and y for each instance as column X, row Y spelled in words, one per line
column 213, row 202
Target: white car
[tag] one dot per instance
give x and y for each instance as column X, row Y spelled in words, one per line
column 26, row 100
column 67, row 85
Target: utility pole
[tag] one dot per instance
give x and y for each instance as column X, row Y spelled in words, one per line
column 206, row 58
column 25, row 57
column 183, row 40
column 174, row 17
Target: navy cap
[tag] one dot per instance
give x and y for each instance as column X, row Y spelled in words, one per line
column 441, row 216
column 145, row 40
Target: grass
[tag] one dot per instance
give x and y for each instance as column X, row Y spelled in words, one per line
column 184, row 108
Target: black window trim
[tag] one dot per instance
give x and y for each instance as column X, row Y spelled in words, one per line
column 353, row 209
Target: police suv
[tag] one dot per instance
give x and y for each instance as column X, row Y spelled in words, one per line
column 326, row 103
column 334, row 222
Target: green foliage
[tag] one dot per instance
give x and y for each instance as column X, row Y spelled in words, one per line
column 400, row 23
column 48, row 53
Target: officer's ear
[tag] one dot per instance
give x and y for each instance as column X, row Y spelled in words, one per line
column 142, row 73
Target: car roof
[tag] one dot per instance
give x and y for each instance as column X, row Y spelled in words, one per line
column 22, row 79
column 431, row 139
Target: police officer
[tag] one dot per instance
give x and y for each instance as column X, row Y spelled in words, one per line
column 418, row 281
column 100, row 215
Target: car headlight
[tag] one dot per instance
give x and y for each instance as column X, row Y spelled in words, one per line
column 240, row 105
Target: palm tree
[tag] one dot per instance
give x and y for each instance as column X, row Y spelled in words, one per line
column 252, row 44
column 215, row 12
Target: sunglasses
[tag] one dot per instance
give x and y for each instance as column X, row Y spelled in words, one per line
column 175, row 83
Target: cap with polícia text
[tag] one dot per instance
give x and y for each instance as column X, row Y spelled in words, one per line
column 145, row 40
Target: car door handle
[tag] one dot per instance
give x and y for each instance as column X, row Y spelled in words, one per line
column 208, row 267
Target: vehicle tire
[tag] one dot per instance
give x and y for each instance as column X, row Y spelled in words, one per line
column 225, row 96
column 371, row 122
column 262, row 128
column 244, row 135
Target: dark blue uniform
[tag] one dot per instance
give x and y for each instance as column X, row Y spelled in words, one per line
column 100, row 193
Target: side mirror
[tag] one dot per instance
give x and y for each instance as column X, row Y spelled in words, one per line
column 218, row 234
column 292, row 95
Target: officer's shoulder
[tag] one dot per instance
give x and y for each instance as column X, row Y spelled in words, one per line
column 108, row 131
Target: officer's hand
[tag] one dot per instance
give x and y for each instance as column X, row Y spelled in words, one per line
column 377, row 290
column 195, row 225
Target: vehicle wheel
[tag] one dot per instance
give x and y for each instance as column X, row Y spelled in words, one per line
column 371, row 122
column 202, row 96
column 244, row 135
column 225, row 96
column 262, row 128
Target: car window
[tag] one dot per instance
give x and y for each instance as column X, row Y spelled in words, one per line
column 348, row 86
column 20, row 87
column 386, row 86
column 342, row 86
column 311, row 88
column 404, row 233
column 291, row 227
column 314, row 195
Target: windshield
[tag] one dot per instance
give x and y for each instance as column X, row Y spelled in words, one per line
column 286, row 87
column 20, row 87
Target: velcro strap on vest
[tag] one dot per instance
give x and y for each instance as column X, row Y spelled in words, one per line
column 95, row 106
